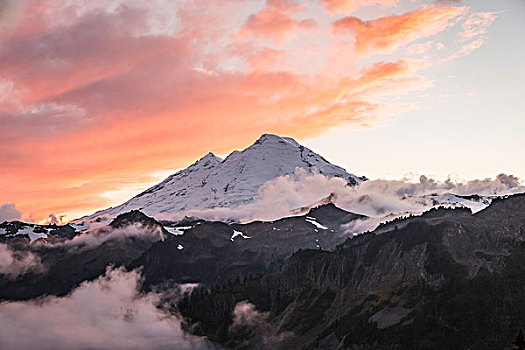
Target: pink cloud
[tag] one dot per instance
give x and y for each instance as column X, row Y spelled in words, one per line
column 477, row 24
column 14, row 263
column 266, row 59
column 387, row 34
column 421, row 48
column 276, row 22
column 349, row 6
column 94, row 99
column 474, row 33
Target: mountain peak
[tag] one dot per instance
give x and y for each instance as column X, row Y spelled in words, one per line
column 265, row 137
column 209, row 156
column 134, row 217
column 211, row 182
column 276, row 139
column 209, row 160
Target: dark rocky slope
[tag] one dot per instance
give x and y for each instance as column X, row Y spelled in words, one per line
column 209, row 252
column 84, row 257
column 206, row 253
column 445, row 280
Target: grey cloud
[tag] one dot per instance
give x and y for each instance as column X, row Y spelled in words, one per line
column 14, row 263
column 247, row 319
column 10, row 11
column 8, row 212
column 246, row 315
column 107, row 313
column 448, row 2
column 97, row 236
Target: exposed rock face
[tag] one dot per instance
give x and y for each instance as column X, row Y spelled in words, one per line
column 214, row 252
column 28, row 233
column 136, row 217
column 445, row 280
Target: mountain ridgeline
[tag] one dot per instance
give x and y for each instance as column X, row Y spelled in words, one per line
column 446, row 279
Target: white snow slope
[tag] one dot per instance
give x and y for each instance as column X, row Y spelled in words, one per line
column 215, row 183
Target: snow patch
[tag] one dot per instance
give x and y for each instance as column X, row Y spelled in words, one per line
column 315, row 223
column 28, row 230
column 177, row 231
column 238, row 233
column 79, row 227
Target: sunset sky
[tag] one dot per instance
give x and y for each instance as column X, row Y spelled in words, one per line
column 100, row 99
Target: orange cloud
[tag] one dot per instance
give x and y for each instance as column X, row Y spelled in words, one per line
column 386, row 34
column 276, row 23
column 383, row 74
column 477, row 24
column 474, row 33
column 349, row 6
column 92, row 101
column 69, row 172
column 266, row 59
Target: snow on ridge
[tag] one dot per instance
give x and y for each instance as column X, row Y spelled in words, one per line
column 238, row 233
column 80, row 226
column 177, row 231
column 29, row 231
column 475, row 204
column 314, row 222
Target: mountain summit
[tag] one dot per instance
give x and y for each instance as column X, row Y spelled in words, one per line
column 212, row 182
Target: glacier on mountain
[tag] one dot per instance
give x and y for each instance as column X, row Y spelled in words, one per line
column 212, row 182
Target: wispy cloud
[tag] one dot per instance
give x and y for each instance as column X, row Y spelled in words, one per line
column 387, row 34
column 474, row 34
column 97, row 96
column 14, row 262
column 276, row 23
column 377, row 198
column 99, row 235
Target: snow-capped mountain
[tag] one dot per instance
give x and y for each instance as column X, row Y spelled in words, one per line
column 474, row 202
column 212, row 182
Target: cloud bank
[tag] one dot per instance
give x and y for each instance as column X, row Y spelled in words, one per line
column 107, row 313
column 376, row 198
column 8, row 212
column 98, row 235
column 14, row 263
